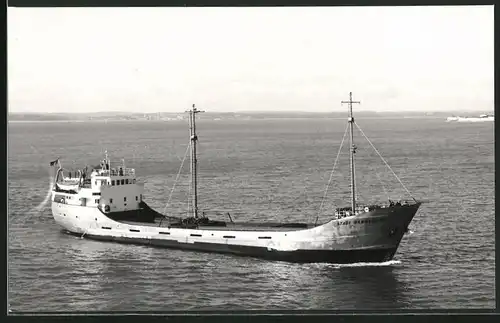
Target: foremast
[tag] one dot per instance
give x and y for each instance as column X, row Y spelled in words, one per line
column 193, row 140
column 352, row 151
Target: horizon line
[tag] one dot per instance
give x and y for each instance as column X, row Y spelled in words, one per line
column 250, row 111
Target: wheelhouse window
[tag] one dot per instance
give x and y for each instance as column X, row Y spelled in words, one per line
column 113, row 183
column 125, row 199
column 137, row 198
column 110, row 201
column 126, row 181
column 123, row 182
column 117, row 182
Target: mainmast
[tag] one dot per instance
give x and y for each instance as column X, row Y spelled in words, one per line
column 194, row 138
column 352, row 150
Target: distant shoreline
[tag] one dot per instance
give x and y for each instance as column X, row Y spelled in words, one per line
column 116, row 116
column 74, row 121
column 222, row 120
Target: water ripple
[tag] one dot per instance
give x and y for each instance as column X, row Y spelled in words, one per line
column 269, row 170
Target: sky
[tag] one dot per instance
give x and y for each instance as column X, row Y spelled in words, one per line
column 250, row 59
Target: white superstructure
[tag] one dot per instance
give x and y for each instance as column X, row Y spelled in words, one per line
column 112, row 189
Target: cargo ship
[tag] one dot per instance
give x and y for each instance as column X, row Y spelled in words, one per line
column 107, row 203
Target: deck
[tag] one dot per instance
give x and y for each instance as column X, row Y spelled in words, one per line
column 237, row 226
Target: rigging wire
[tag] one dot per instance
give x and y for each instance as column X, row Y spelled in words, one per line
column 407, row 191
column 379, row 179
column 383, row 186
column 176, row 179
column 331, row 175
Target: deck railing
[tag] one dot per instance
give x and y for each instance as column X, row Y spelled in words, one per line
column 117, row 172
column 345, row 212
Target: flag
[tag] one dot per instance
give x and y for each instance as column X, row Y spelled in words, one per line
column 52, row 163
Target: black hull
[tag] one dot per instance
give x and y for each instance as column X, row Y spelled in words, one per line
column 297, row 256
column 144, row 214
column 148, row 215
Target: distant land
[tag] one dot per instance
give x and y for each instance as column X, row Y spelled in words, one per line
column 242, row 115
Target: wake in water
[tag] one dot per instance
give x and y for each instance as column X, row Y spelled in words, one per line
column 40, row 207
column 368, row 264
column 357, row 264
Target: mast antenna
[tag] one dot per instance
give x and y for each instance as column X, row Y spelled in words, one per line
column 193, row 140
column 107, row 159
column 352, row 151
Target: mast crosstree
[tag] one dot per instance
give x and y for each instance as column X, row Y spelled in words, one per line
column 352, row 150
column 194, row 139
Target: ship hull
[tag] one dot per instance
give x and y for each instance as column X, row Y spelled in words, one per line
column 297, row 256
column 372, row 237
